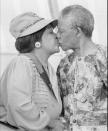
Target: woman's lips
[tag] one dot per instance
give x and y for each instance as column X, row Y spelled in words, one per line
column 60, row 44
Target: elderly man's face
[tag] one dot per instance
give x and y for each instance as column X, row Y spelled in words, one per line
column 67, row 34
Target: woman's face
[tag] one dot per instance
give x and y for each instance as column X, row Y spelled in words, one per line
column 49, row 41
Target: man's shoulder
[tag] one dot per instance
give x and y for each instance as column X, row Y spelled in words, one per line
column 102, row 49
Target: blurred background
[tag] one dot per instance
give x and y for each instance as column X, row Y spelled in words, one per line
column 47, row 9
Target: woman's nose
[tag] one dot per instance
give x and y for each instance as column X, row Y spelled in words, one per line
column 58, row 35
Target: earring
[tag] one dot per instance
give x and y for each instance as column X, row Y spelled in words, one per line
column 37, row 44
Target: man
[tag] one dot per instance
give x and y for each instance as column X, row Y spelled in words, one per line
column 82, row 75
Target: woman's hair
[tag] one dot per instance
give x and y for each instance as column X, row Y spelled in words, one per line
column 83, row 18
column 27, row 43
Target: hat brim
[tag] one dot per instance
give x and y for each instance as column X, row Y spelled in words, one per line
column 38, row 26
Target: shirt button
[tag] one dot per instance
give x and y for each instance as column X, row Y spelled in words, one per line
column 74, row 121
column 76, row 91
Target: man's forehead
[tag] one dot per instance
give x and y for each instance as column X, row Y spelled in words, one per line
column 65, row 22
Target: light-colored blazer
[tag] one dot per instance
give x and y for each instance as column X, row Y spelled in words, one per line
column 25, row 100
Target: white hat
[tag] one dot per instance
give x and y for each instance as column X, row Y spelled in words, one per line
column 28, row 23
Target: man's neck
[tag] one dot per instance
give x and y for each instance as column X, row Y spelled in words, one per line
column 86, row 47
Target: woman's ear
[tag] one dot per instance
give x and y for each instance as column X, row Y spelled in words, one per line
column 37, row 44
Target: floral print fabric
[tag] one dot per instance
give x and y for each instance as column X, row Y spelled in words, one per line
column 83, row 87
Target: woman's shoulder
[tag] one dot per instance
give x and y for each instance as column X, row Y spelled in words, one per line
column 19, row 59
column 21, row 63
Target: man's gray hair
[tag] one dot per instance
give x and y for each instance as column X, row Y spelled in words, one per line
column 83, row 18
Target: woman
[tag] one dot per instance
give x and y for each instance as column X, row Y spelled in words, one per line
column 29, row 97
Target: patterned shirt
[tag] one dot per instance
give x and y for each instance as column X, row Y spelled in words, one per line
column 83, row 86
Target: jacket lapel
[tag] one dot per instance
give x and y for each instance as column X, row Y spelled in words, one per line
column 42, row 72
